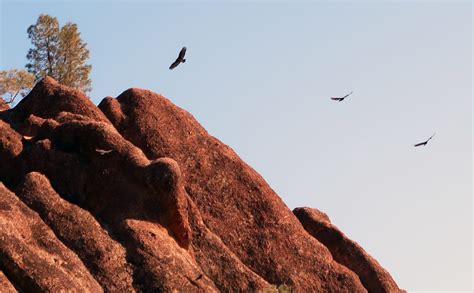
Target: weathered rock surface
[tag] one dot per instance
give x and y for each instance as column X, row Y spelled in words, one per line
column 134, row 195
column 6, row 285
column 10, row 147
column 31, row 254
column 268, row 238
column 48, row 98
column 3, row 105
column 346, row 251
column 78, row 229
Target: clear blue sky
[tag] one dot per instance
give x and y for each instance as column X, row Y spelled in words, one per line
column 259, row 76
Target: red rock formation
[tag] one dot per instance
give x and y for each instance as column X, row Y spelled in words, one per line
column 48, row 98
column 5, row 285
column 10, row 147
column 75, row 227
column 32, row 256
column 346, row 251
column 3, row 105
column 144, row 199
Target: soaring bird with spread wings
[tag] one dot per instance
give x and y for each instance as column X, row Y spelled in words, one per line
column 180, row 58
column 340, row 99
column 425, row 142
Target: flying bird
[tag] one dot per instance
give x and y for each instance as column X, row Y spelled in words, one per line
column 425, row 142
column 103, row 152
column 340, row 99
column 180, row 58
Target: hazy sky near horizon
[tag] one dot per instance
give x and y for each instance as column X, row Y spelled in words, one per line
column 259, row 76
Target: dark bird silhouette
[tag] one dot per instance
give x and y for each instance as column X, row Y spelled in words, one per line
column 425, row 142
column 180, row 58
column 340, row 99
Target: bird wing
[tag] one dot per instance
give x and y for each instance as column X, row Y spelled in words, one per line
column 432, row 136
column 182, row 53
column 347, row 95
column 103, row 152
column 337, row 98
column 418, row 144
column 175, row 63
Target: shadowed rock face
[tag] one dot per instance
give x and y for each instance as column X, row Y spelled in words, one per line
column 79, row 230
column 33, row 256
column 134, row 195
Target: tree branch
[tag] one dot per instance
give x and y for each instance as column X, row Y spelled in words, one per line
column 12, row 99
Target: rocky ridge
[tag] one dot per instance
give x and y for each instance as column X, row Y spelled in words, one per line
column 135, row 195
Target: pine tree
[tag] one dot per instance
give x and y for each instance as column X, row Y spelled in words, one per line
column 59, row 53
column 72, row 56
column 44, row 36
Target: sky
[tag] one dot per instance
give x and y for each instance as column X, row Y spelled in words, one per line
column 258, row 77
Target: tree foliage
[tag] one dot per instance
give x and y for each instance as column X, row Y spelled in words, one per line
column 14, row 83
column 59, row 53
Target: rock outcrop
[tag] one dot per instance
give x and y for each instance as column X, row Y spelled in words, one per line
column 33, row 256
column 345, row 251
column 3, row 105
column 134, row 195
